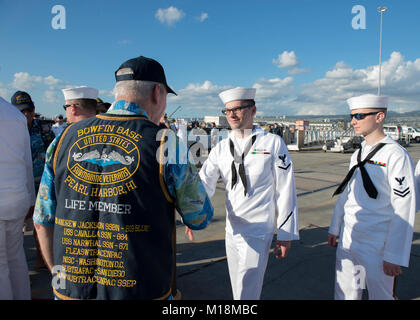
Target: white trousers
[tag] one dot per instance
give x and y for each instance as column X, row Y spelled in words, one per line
column 14, row 276
column 247, row 259
column 356, row 270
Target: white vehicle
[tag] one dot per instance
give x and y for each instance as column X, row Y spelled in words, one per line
column 343, row 144
column 413, row 133
column 394, row 131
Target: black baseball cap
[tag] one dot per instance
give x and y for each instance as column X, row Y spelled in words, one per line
column 145, row 69
column 22, row 101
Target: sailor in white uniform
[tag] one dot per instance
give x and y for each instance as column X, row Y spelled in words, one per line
column 257, row 171
column 417, row 174
column 374, row 215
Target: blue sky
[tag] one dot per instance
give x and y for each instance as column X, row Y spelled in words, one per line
column 303, row 56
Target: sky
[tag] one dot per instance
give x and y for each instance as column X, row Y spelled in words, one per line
column 304, row 57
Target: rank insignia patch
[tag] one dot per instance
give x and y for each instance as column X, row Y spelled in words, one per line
column 401, row 191
column 283, row 159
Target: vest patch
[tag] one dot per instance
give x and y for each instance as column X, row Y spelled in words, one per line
column 108, row 172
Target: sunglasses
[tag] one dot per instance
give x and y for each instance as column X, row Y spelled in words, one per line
column 236, row 110
column 69, row 105
column 361, row 116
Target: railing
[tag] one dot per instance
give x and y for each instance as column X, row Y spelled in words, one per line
column 298, row 139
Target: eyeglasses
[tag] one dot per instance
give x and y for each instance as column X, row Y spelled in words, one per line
column 69, row 105
column 236, row 110
column 361, row 116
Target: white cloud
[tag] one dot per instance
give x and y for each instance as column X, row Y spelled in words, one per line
column 51, row 81
column 106, row 93
column 286, row 60
column 200, row 96
column 272, row 95
column 204, row 16
column 295, row 71
column 323, row 96
column 48, row 88
column 276, row 96
column 169, row 16
column 205, row 96
column 400, row 81
column 289, row 60
column 24, row 81
column 5, row 93
column 269, row 89
column 52, row 96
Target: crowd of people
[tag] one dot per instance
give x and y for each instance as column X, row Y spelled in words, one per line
column 102, row 193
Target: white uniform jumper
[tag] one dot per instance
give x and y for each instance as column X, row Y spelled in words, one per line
column 251, row 211
column 17, row 195
column 374, row 230
column 417, row 173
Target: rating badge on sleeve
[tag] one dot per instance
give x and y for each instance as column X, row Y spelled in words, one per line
column 401, row 189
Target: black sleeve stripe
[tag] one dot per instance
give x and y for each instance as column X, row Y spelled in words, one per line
column 403, row 193
column 288, row 217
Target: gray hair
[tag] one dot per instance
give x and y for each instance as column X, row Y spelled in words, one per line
column 138, row 89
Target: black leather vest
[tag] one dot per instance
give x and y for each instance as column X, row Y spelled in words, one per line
column 114, row 217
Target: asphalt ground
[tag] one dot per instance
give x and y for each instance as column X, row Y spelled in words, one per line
column 308, row 271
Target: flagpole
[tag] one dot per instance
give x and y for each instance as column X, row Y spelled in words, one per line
column 381, row 10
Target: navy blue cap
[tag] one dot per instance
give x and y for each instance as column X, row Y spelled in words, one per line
column 145, row 69
column 22, row 101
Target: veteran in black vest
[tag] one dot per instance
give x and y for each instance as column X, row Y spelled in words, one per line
column 116, row 197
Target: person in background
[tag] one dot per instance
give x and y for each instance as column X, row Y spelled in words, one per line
column 77, row 108
column 40, row 137
column 102, row 107
column 17, row 198
column 417, row 174
column 59, row 125
column 164, row 123
column 278, row 130
column 214, row 134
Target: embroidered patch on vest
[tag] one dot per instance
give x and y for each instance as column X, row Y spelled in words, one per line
column 106, row 156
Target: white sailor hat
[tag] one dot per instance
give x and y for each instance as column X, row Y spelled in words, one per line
column 368, row 101
column 82, row 92
column 238, row 94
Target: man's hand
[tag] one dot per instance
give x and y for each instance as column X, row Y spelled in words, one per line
column 282, row 249
column 189, row 233
column 391, row 270
column 332, row 240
